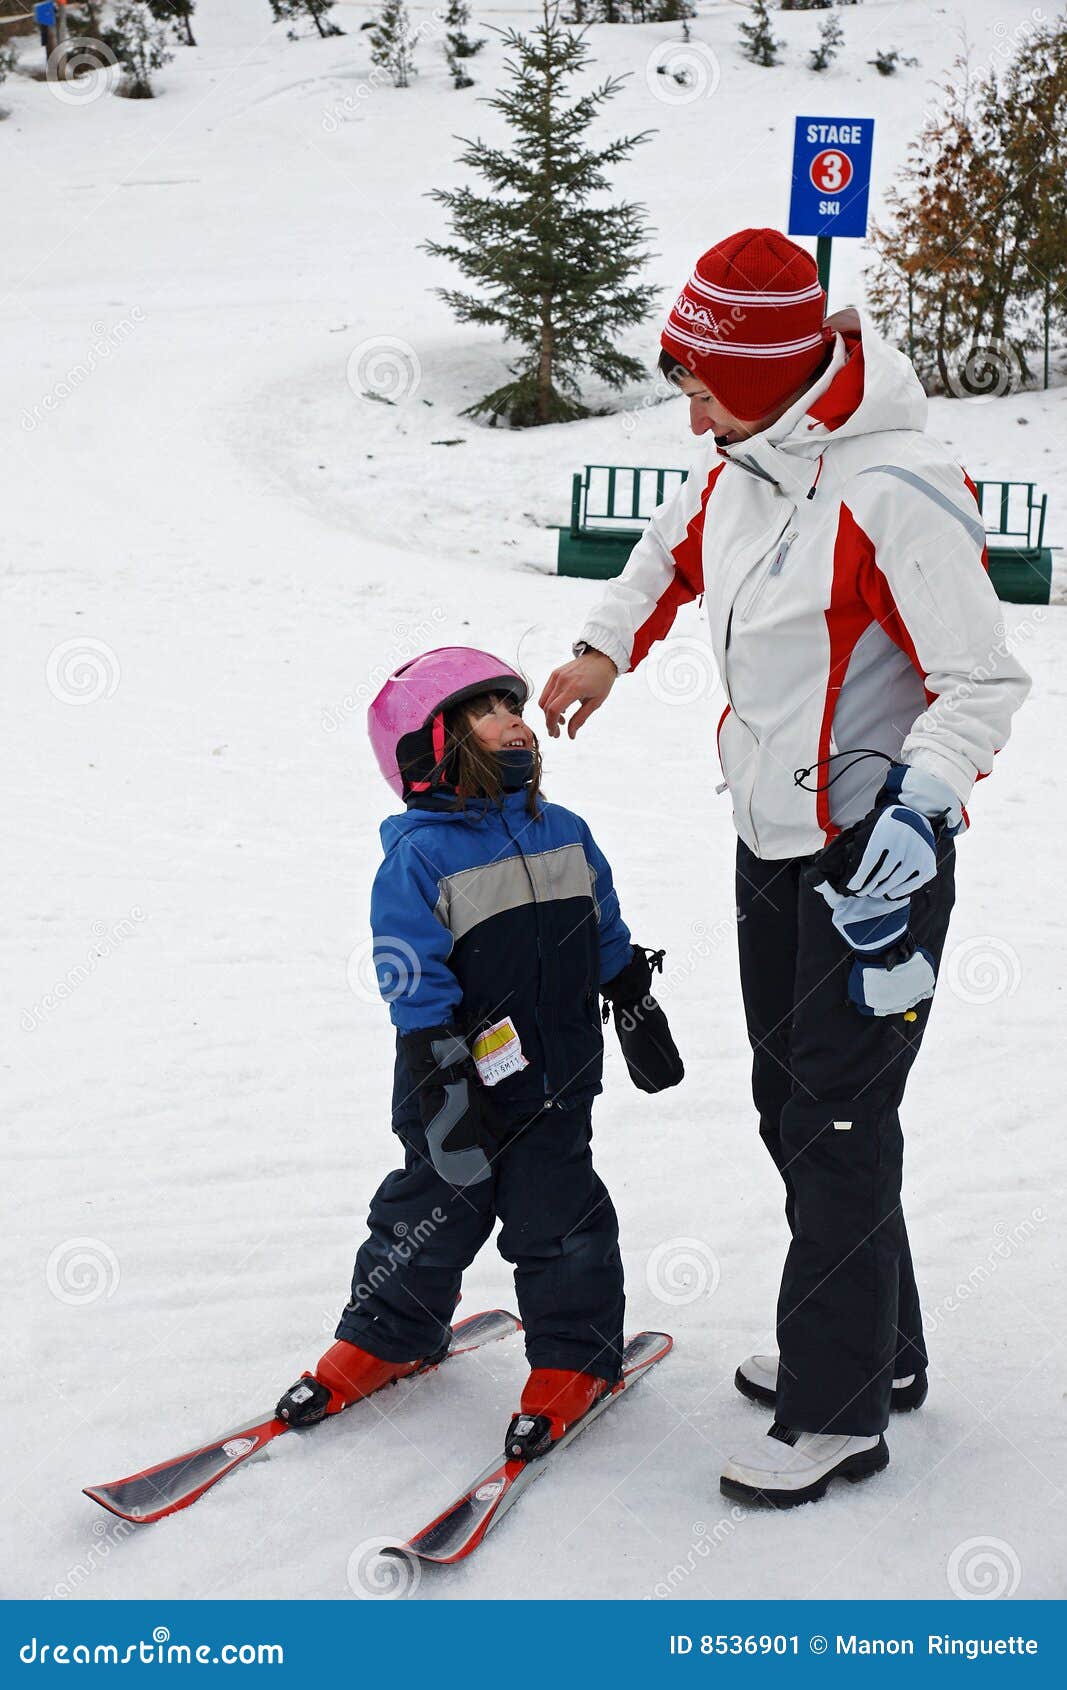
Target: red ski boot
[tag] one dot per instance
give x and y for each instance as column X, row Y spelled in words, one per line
column 554, row 1399
column 345, row 1375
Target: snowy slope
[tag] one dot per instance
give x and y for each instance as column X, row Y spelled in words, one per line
column 213, row 549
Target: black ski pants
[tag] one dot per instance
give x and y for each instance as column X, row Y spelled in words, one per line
column 827, row 1083
column 559, row 1229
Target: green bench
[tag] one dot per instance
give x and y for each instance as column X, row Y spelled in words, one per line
column 611, row 503
column 1020, row 563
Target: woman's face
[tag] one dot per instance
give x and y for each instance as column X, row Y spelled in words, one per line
column 707, row 415
column 497, row 723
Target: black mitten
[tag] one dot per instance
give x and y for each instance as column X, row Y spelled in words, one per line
column 451, row 1101
column 650, row 1053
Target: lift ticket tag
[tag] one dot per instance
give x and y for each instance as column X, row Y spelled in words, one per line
column 498, row 1053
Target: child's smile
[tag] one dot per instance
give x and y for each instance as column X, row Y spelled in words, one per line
column 500, row 727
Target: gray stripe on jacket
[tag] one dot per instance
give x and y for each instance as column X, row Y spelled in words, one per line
column 973, row 526
column 474, row 894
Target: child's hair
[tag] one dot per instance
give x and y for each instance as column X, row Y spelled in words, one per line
column 474, row 770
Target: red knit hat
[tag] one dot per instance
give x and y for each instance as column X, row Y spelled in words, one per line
column 749, row 322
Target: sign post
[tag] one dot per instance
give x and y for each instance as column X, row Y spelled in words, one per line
column 831, row 182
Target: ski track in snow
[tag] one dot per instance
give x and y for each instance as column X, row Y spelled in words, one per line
column 228, row 547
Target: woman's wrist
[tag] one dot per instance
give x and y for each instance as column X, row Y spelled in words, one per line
column 582, row 648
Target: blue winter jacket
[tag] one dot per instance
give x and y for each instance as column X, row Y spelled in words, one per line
column 486, row 913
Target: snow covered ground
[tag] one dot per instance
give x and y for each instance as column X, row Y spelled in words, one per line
column 213, row 549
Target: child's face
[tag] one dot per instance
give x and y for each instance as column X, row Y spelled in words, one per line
column 497, row 723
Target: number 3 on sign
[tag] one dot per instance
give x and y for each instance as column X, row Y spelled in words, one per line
column 831, row 170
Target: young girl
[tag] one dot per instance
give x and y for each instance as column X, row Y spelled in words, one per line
column 496, row 925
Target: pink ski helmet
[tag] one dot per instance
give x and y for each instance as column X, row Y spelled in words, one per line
column 406, row 720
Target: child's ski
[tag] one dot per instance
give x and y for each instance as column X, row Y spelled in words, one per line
column 157, row 1491
column 463, row 1525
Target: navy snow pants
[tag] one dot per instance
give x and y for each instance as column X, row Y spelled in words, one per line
column 827, row 1083
column 559, row 1229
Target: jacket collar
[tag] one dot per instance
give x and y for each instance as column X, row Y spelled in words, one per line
column 784, row 452
column 868, row 387
column 443, row 802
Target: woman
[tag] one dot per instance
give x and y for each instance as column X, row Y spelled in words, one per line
column 840, row 553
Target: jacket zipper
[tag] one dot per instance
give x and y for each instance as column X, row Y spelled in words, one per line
column 780, row 555
column 732, row 710
column 540, row 967
column 724, row 784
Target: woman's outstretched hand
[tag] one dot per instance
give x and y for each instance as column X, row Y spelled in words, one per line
column 586, row 680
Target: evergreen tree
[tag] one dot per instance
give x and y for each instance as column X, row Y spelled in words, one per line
column 886, row 60
column 139, row 44
column 759, row 43
column 178, row 13
column 631, row 11
column 831, row 39
column 7, row 60
column 85, row 22
column 297, row 10
column 460, row 79
column 393, row 42
column 554, row 259
column 667, row 11
column 85, row 25
column 458, row 43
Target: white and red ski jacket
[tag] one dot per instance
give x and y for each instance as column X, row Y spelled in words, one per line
column 841, row 555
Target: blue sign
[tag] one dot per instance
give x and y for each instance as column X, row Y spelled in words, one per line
column 831, row 175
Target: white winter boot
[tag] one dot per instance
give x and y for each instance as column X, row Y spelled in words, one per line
column 786, row 1468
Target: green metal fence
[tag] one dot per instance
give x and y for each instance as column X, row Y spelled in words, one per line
column 611, row 503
